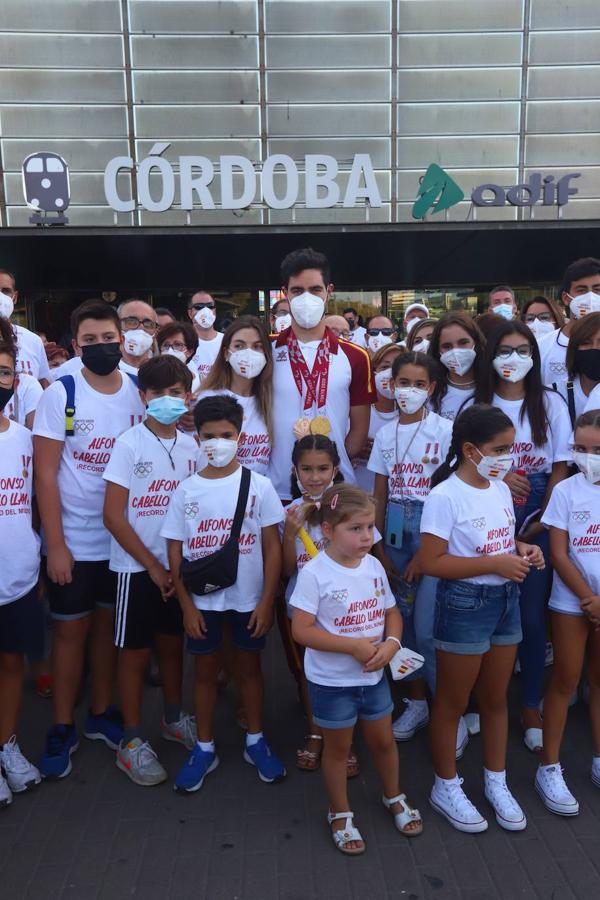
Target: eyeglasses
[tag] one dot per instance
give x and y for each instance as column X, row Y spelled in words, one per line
column 373, row 332
column 198, row 306
column 135, row 322
column 7, row 376
column 523, row 350
column 179, row 346
column 543, row 317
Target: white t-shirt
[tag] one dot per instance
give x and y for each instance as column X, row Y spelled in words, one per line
column 98, row 422
column 359, row 336
column 553, row 353
column 76, row 365
column 580, row 399
column 474, row 521
column 574, row 507
column 593, row 401
column 31, row 356
column 206, row 354
column 25, row 398
column 349, row 384
column 141, row 465
column 21, row 545
column 454, row 400
column 345, row 602
column 526, row 455
column 364, row 478
column 410, row 454
column 201, row 516
column 254, row 447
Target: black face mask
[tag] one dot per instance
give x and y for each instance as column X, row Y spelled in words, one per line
column 101, row 359
column 587, row 362
column 5, row 395
column 351, row 323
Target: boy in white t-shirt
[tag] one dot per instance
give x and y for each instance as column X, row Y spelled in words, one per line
column 77, row 422
column 147, row 463
column 18, row 580
column 199, row 523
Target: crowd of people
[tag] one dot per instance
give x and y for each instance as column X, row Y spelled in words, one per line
column 416, row 496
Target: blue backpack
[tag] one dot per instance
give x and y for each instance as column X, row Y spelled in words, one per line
column 68, row 382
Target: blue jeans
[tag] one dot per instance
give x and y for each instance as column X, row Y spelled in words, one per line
column 341, row 707
column 470, row 617
column 416, row 602
column 534, row 591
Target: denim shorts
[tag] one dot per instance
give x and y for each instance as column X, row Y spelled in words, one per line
column 340, row 707
column 212, row 640
column 470, row 617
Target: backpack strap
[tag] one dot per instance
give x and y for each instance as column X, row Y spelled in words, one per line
column 571, row 402
column 68, row 382
column 135, row 379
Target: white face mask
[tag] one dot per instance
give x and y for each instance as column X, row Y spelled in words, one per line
column 458, row 360
column 513, row 368
column 384, row 383
column 282, row 322
column 583, row 304
column 6, row 306
column 495, row 468
column 540, row 328
column 421, row 345
column 503, row 309
column 205, row 317
column 307, row 309
column 410, row 399
column 589, row 463
column 411, row 323
column 178, row 354
column 219, row 451
column 377, row 341
column 137, row 342
column 247, row 363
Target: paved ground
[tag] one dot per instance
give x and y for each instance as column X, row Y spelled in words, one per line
column 96, row 835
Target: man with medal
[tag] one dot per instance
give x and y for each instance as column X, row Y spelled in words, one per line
column 321, row 385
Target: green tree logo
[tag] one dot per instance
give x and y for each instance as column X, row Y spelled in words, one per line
column 437, row 192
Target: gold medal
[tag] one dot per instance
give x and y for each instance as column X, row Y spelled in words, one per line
column 320, row 425
column 434, row 460
column 301, row 428
column 425, row 460
column 24, row 473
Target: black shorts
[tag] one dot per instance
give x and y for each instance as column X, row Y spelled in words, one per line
column 93, row 585
column 240, row 635
column 142, row 612
column 16, row 620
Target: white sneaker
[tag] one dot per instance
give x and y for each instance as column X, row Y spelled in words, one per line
column 596, row 770
column 6, row 796
column 462, row 737
column 139, row 761
column 20, row 773
column 414, row 717
column 509, row 814
column 182, row 732
column 556, row 796
column 449, row 799
column 473, row 723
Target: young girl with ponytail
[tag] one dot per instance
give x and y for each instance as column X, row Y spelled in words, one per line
column 468, row 542
column 345, row 614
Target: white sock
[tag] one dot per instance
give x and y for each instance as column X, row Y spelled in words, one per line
column 499, row 777
column 207, row 746
column 252, row 739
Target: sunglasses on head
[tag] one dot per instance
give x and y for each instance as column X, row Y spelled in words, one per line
column 373, row 332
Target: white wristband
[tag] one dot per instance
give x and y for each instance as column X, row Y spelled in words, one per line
column 391, row 637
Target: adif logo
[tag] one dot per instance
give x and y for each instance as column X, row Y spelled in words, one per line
column 437, row 192
column 339, row 596
column 83, row 426
column 479, row 524
column 581, row 515
column 143, row 469
column 191, row 510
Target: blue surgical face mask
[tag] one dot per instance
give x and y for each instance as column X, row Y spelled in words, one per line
column 166, row 410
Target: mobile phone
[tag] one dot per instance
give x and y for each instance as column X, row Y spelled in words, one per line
column 394, row 524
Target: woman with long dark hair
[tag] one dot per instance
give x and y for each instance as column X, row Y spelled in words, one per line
column 512, row 382
column 459, row 345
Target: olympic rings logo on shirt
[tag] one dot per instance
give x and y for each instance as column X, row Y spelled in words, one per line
column 388, row 455
column 339, row 596
column 581, row 515
column 478, row 523
column 558, row 367
column 191, row 510
column 143, row 469
column 83, row 426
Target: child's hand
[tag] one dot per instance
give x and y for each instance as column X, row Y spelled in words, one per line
column 384, row 653
column 162, row 579
column 591, row 607
column 515, row 568
column 413, row 571
column 363, row 649
column 193, row 623
column 518, row 485
column 532, row 553
column 261, row 619
column 294, row 519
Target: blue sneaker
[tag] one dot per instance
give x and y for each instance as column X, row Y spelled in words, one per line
column 61, row 742
column 191, row 777
column 270, row 768
column 107, row 727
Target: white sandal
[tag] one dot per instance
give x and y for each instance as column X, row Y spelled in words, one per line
column 309, row 756
column 534, row 739
column 343, row 836
column 404, row 818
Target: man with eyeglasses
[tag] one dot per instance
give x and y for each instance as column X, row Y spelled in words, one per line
column 202, row 312
column 380, row 331
column 31, row 356
column 139, row 324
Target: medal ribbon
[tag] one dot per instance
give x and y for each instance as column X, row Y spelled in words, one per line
column 317, row 380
